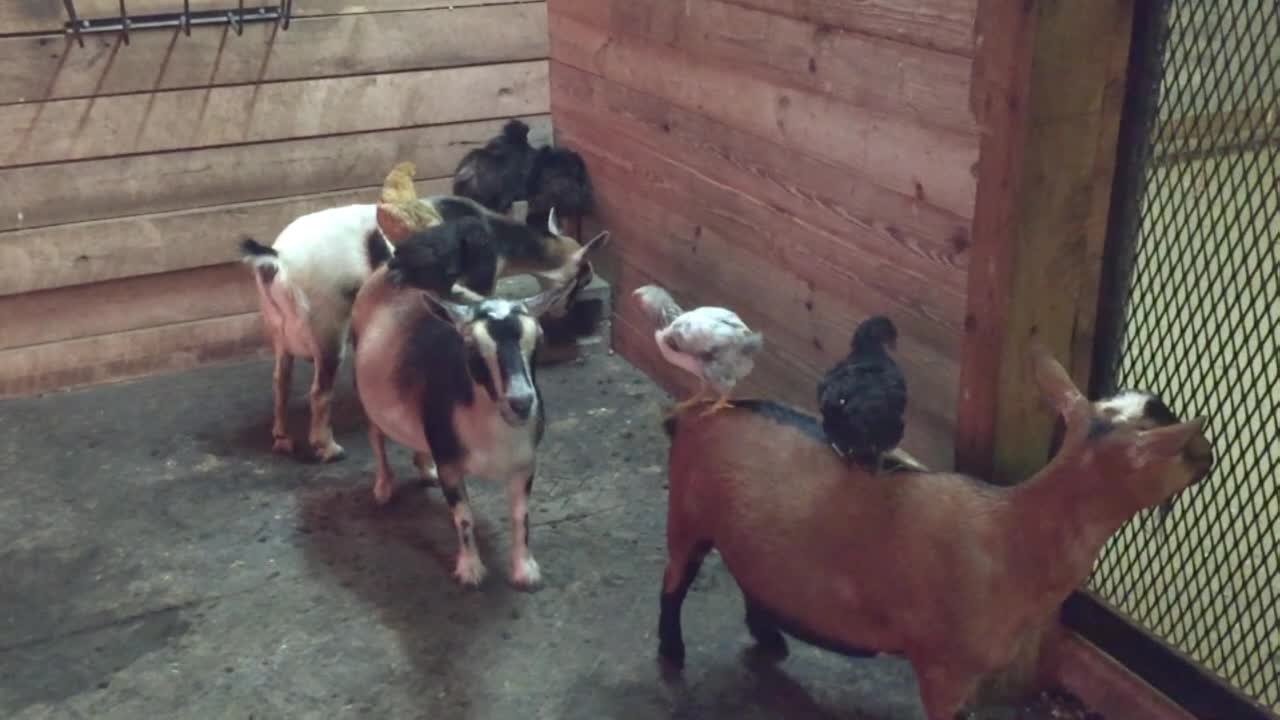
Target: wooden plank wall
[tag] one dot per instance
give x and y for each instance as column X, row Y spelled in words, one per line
column 806, row 163
column 128, row 172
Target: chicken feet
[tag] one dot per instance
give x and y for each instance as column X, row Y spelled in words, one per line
column 721, row 403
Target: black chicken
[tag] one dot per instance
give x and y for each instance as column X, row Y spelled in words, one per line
column 507, row 170
column 864, row 397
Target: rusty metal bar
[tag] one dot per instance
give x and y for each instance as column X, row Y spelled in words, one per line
column 184, row 20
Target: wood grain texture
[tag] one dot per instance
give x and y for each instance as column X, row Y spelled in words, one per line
column 783, row 247
column 922, row 86
column 41, row 195
column 885, row 228
column 120, row 356
column 75, row 254
column 933, row 164
column 36, row 68
column 33, row 16
column 182, row 119
column 126, row 304
column 1045, row 177
column 945, row 25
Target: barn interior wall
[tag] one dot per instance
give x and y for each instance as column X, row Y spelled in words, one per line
column 128, row 172
column 805, row 163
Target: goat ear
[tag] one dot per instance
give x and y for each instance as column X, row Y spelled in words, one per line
column 553, row 227
column 568, row 277
column 539, row 304
column 459, row 313
column 571, row 271
column 1058, row 391
column 1153, row 447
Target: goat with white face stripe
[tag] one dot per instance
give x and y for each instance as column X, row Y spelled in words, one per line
column 456, row 383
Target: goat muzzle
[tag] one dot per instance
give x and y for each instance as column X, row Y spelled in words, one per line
column 1198, row 453
column 517, row 409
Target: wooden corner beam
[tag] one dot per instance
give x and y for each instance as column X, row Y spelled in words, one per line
column 1048, row 89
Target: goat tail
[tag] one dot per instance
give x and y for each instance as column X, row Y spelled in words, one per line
column 657, row 305
column 265, row 260
column 284, row 305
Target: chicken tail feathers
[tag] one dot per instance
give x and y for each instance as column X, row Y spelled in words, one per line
column 657, row 305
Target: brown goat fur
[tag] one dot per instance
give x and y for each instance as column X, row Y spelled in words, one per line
column 950, row 572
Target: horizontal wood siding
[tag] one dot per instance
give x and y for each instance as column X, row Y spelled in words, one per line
column 129, row 172
column 804, row 163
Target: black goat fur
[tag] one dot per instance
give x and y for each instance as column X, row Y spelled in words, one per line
column 436, row 258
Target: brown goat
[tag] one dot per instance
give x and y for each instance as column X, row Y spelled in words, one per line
column 950, row 572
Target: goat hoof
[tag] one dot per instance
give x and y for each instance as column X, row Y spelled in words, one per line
column 526, row 575
column 469, row 571
column 671, row 655
column 331, row 452
column 382, row 492
column 282, row 445
column 426, row 471
column 770, row 652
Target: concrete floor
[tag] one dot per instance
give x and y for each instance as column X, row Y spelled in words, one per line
column 157, row 561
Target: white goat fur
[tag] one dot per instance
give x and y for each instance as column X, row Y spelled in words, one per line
column 322, row 259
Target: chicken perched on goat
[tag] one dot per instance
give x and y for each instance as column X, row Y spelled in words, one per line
column 710, row 342
column 952, row 573
column 864, row 397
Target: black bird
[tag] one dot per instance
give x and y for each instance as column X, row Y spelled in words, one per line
column 864, row 397
column 507, row 170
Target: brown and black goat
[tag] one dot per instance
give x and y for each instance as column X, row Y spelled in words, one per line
column 308, row 278
column 947, row 571
column 455, row 383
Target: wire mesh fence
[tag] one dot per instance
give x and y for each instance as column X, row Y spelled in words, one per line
column 1199, row 323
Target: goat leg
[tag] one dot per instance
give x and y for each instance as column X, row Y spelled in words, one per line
column 945, row 689
column 322, row 443
column 764, row 629
column 469, row 570
column 683, row 564
column 524, row 569
column 281, row 379
column 383, row 480
column 426, row 467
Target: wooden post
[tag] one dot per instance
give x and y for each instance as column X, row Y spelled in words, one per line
column 1048, row 88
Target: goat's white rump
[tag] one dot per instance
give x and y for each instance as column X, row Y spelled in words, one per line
column 307, row 281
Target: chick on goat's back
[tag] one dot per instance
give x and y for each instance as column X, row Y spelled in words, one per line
column 863, row 398
column 711, row 343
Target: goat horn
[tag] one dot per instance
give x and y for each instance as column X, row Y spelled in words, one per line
column 600, row 240
column 552, row 225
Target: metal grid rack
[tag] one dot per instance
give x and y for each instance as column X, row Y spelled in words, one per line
column 123, row 23
column 1194, row 315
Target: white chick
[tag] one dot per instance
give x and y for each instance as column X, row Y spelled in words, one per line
column 710, row 342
